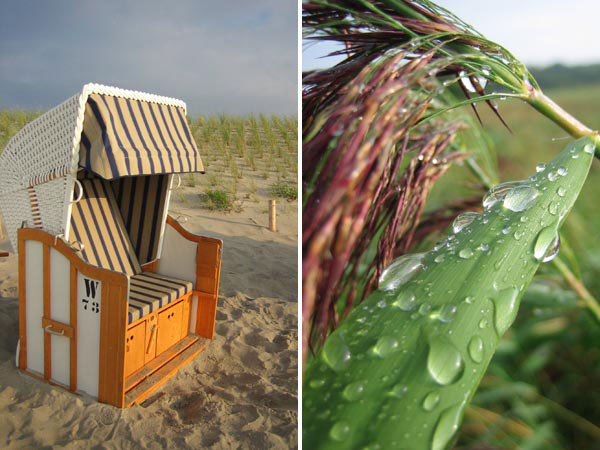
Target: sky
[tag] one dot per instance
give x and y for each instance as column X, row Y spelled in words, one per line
column 539, row 32
column 232, row 57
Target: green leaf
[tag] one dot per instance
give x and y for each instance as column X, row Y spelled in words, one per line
column 400, row 370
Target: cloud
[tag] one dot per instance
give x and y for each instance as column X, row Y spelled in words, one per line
column 234, row 57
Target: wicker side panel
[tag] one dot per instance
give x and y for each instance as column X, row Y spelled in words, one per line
column 41, row 149
column 16, row 209
column 51, row 198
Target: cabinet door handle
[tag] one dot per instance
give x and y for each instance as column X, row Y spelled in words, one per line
column 48, row 329
column 150, row 338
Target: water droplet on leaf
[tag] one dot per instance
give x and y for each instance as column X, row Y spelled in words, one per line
column 316, row 383
column 506, row 309
column 431, row 400
column 398, row 391
column 462, row 220
column 547, row 244
column 540, row 167
column 476, row 349
column 465, row 253
column 444, row 362
column 446, row 427
column 521, row 198
column 561, row 191
column 406, row 301
column 498, row 192
column 340, row 431
column 385, row 346
column 400, row 271
column 447, row 313
column 336, row 353
column 354, row 391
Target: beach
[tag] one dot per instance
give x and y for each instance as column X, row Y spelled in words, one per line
column 241, row 392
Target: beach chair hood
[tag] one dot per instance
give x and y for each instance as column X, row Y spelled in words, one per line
column 112, row 133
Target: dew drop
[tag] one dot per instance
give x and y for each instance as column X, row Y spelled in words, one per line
column 506, row 309
column 561, row 191
column 506, row 230
column 552, row 176
column 553, row 208
column 462, row 220
column 354, row 391
column 385, row 346
column 439, row 258
column 540, row 167
column 406, row 301
column 336, row 353
column 518, row 235
column 483, row 323
column 446, row 427
column 589, row 148
column 498, row 193
column 547, row 244
column 466, row 82
column 424, row 309
column 521, row 198
column 400, row 271
column 483, row 247
column 469, row 300
column 447, row 313
column 381, row 304
column 444, row 362
column 465, row 253
column 316, row 383
column 476, row 349
column 562, row 171
column 339, row 431
column 398, row 391
column 431, row 400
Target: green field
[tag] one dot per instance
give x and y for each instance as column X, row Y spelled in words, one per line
column 541, row 390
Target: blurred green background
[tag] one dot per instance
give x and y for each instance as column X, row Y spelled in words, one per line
column 542, row 389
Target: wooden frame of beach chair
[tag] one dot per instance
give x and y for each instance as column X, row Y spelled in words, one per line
column 114, row 295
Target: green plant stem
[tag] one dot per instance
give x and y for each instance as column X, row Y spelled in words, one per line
column 570, row 417
column 559, row 116
column 578, row 287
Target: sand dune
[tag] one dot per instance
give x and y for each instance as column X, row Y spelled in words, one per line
column 240, row 393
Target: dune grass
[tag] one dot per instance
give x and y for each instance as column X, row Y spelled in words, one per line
column 238, row 152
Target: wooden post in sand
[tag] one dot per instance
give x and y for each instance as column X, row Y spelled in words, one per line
column 272, row 215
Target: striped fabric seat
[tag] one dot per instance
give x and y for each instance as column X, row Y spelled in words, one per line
column 150, row 291
column 97, row 224
column 142, row 203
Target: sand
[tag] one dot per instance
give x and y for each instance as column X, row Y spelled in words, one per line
column 239, row 393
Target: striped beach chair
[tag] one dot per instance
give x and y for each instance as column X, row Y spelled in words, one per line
column 114, row 295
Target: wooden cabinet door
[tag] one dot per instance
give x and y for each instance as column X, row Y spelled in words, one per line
column 134, row 348
column 185, row 317
column 150, row 341
column 169, row 327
